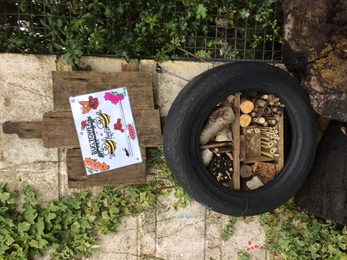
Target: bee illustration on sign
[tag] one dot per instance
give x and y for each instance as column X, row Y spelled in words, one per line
column 108, row 147
column 102, row 121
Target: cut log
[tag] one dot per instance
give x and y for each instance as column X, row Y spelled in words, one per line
column 245, row 120
column 314, row 50
column 260, row 103
column 246, row 171
column 259, row 120
column 246, row 106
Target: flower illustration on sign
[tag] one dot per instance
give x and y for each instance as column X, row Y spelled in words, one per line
column 92, row 103
column 83, row 125
column 131, row 131
column 118, row 126
column 114, row 97
column 94, row 166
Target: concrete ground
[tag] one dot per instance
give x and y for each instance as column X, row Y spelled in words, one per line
column 160, row 233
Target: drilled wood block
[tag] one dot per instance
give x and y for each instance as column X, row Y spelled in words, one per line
column 77, row 177
column 73, row 83
column 252, row 147
column 59, row 130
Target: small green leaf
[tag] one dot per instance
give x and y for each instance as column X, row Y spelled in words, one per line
column 201, row 12
column 76, row 204
column 8, row 222
column 30, row 213
column 105, row 215
column 40, row 226
column 4, row 231
column 85, row 225
column 4, row 196
column 50, row 216
column 23, row 226
column 42, row 243
column 75, row 227
column 52, row 207
column 9, row 240
column 34, row 243
column 3, row 248
column 114, row 210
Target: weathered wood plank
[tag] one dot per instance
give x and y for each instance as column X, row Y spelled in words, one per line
column 324, row 193
column 58, row 130
column 24, row 130
column 77, row 177
column 73, row 83
column 236, row 136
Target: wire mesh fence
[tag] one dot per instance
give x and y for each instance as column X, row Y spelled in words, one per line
column 26, row 26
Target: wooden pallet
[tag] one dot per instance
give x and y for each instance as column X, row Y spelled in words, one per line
column 58, row 130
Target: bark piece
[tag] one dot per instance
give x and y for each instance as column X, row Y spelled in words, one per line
column 314, row 50
column 217, row 121
column 224, row 135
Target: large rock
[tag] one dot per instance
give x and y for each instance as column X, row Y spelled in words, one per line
column 315, row 51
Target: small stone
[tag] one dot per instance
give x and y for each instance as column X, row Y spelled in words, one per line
column 254, row 183
column 206, row 156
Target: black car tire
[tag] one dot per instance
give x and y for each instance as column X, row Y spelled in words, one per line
column 192, row 107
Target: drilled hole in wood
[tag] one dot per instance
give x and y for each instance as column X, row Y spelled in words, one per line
column 242, row 141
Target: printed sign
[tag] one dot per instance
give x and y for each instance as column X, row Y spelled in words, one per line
column 106, row 130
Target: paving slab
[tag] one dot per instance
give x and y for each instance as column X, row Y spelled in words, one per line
column 248, row 238
column 214, row 223
column 146, row 233
column 122, row 245
column 181, row 232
